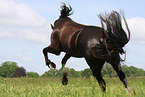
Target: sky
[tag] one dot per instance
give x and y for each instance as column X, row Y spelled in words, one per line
column 25, row 30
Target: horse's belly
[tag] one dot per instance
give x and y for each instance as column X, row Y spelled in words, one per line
column 72, row 52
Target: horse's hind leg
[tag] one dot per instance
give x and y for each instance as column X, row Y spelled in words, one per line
column 50, row 50
column 64, row 73
column 117, row 68
column 96, row 66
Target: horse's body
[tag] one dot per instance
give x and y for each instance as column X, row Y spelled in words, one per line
column 93, row 43
column 71, row 42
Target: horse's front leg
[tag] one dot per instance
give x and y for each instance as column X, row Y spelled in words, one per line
column 53, row 51
column 64, row 73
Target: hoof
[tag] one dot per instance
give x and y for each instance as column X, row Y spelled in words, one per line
column 64, row 81
column 51, row 65
column 131, row 90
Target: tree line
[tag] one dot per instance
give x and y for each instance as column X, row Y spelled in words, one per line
column 11, row 69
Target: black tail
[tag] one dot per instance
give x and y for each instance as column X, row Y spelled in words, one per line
column 114, row 27
column 115, row 31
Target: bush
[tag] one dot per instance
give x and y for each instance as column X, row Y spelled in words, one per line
column 32, row 75
column 19, row 72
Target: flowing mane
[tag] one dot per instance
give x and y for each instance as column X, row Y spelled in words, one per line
column 65, row 11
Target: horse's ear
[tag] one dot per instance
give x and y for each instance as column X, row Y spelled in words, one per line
column 52, row 26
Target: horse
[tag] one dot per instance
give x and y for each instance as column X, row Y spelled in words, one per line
column 96, row 44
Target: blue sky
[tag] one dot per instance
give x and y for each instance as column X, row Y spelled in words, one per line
column 25, row 29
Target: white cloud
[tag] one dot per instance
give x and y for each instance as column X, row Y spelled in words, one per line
column 35, row 35
column 19, row 21
column 24, row 58
column 137, row 28
column 31, row 26
column 14, row 14
column 5, row 34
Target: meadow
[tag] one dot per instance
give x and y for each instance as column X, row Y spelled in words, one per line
column 77, row 87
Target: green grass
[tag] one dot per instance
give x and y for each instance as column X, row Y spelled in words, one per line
column 77, row 87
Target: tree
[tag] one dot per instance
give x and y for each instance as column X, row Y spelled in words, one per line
column 87, row 73
column 51, row 73
column 7, row 69
column 19, row 72
column 108, row 71
column 32, row 75
column 126, row 70
column 73, row 73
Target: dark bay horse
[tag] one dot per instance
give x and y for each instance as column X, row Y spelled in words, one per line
column 95, row 44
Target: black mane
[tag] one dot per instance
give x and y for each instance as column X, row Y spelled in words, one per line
column 65, row 11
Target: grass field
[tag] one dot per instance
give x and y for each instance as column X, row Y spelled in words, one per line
column 77, row 87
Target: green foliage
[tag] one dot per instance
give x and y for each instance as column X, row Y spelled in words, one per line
column 58, row 73
column 108, row 71
column 32, row 75
column 51, row 73
column 133, row 71
column 87, row 73
column 126, row 70
column 71, row 72
column 7, row 69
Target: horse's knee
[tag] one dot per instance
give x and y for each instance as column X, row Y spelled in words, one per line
column 45, row 51
column 51, row 50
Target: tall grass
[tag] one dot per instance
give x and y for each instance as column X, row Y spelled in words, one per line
column 77, row 87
